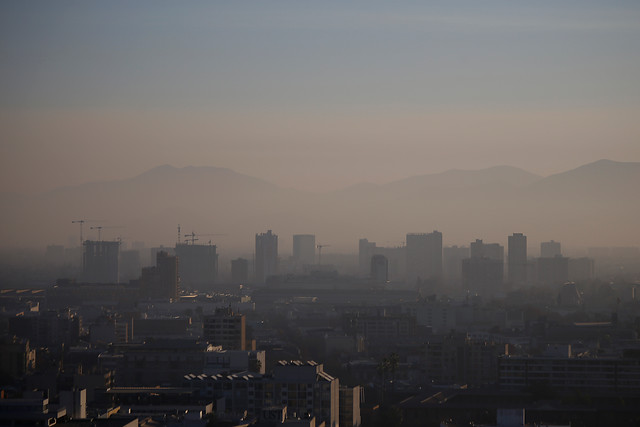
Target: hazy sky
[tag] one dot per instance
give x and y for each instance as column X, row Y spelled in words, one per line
column 314, row 95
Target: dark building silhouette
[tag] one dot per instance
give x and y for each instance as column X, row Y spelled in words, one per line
column 198, row 265
column 161, row 281
column 479, row 249
column 304, row 249
column 379, row 268
column 365, row 252
column 226, row 328
column 129, row 265
column 553, row 271
column 452, row 257
column 239, row 270
column 550, row 249
column 517, row 261
column 100, row 261
column 483, row 272
column 266, row 263
column 424, row 256
column 396, row 258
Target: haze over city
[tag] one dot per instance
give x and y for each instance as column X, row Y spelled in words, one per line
column 319, row 214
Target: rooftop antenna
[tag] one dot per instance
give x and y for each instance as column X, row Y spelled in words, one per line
column 178, row 233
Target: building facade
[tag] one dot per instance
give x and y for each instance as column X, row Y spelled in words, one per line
column 424, row 256
column 517, row 259
column 225, row 328
column 266, row 263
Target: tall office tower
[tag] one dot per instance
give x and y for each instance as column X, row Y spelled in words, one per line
column 161, row 281
column 479, row 249
column 198, row 265
column 225, row 328
column 550, row 249
column 452, row 257
column 266, row 263
column 239, row 270
column 483, row 271
column 365, row 252
column 100, row 261
column 304, row 249
column 517, row 261
column 424, row 256
column 379, row 268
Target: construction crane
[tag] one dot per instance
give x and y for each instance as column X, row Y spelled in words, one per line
column 101, row 227
column 192, row 236
column 320, row 252
column 81, row 222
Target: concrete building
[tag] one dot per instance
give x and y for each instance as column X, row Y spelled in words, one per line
column 460, row 359
column 483, row 272
column 159, row 362
column 452, row 257
column 567, row 373
column 303, row 387
column 161, row 281
column 198, row 265
column 220, row 361
column 239, row 271
column 129, row 268
column 424, row 256
column 479, row 249
column 75, row 402
column 517, row 259
column 266, row 261
column 379, row 269
column 365, row 252
column 350, row 398
column 225, row 328
column 100, row 261
column 304, row 249
column 17, row 358
column 381, row 328
column 550, row 249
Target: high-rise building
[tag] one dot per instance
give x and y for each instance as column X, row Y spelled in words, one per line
column 304, row 249
column 239, row 270
column 479, row 249
column 100, row 261
column 424, row 256
column 483, row 272
column 225, row 328
column 379, row 268
column 517, row 262
column 198, row 265
column 550, row 249
column 161, row 281
column 452, row 257
column 266, row 263
column 365, row 252
column 129, row 265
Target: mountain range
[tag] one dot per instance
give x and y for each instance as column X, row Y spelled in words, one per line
column 595, row 204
